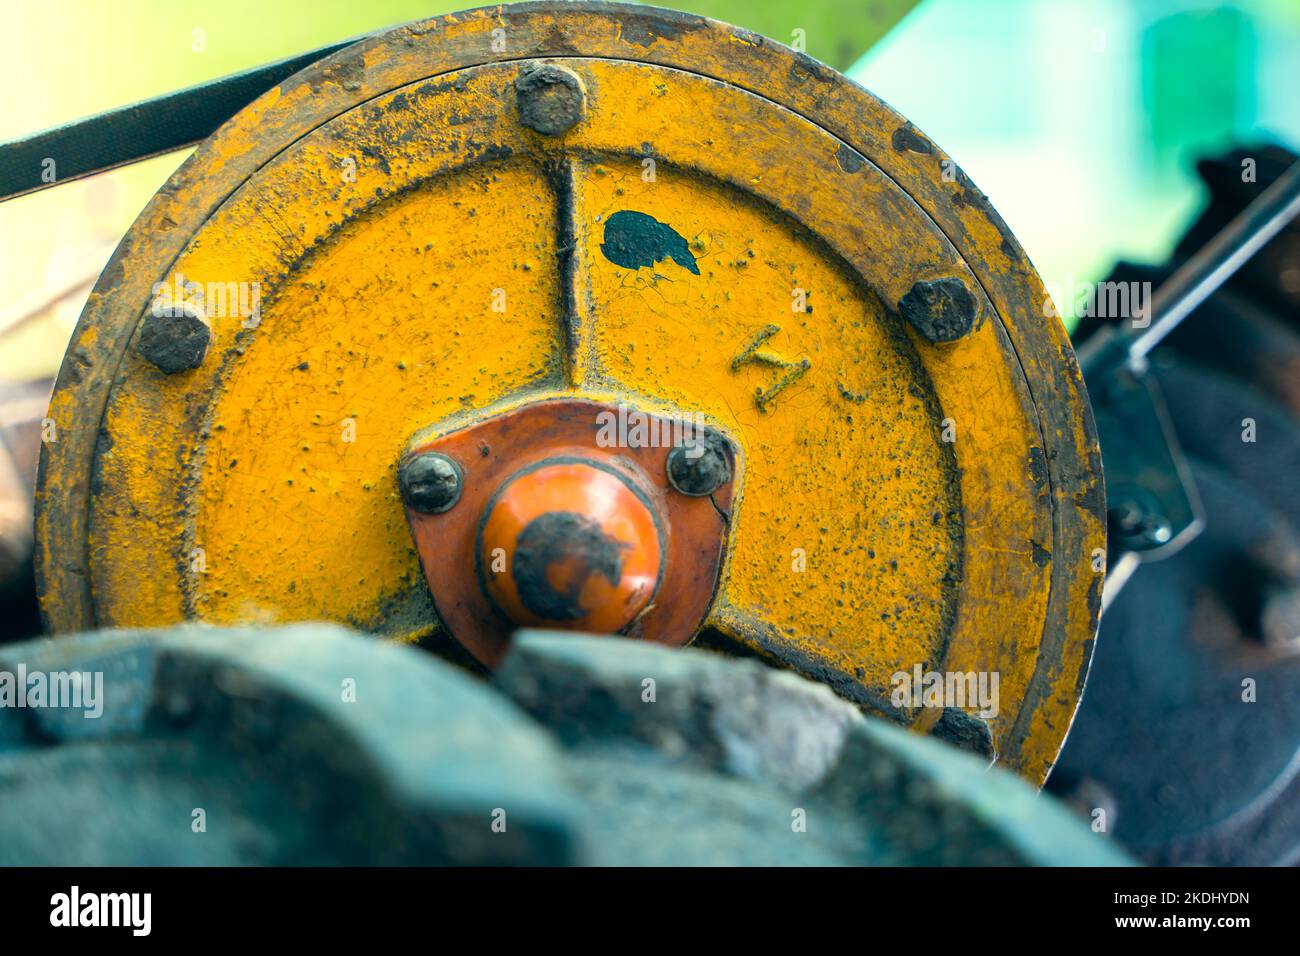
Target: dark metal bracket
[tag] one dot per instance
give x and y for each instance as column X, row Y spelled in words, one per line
column 1153, row 508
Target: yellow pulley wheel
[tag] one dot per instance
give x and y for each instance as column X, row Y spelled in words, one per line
column 432, row 309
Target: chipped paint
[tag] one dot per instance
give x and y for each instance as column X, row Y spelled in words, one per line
column 378, row 300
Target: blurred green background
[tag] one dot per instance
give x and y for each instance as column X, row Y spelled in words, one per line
column 1079, row 118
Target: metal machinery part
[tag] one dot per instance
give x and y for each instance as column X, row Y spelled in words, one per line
column 1155, row 509
column 465, row 244
column 1190, row 727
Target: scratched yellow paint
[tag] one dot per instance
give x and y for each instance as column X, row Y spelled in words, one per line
column 381, row 240
column 392, row 327
column 388, row 326
column 850, row 515
column 441, row 299
column 135, row 521
column 848, row 463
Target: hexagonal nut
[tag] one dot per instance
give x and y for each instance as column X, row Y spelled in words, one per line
column 551, row 99
column 174, row 339
column 942, row 310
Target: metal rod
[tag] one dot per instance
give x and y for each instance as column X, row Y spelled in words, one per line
column 1212, row 265
column 1112, row 348
column 141, row 130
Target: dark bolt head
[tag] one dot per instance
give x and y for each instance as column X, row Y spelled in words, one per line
column 1137, row 527
column 430, row 483
column 699, row 468
column 175, row 341
column 943, row 310
column 551, row 99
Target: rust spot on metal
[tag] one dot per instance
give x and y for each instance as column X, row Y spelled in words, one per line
column 1094, row 602
column 1092, row 498
column 856, row 398
column 970, row 197
column 556, row 42
column 346, row 72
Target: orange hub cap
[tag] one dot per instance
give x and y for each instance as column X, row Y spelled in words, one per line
column 571, row 543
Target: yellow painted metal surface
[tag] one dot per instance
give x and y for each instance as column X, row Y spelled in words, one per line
column 903, row 502
column 295, row 505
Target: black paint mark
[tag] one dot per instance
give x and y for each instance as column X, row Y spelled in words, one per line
column 634, row 240
column 972, row 198
column 849, row 159
column 1038, row 467
column 1094, row 609
column 559, row 538
column 906, row 137
column 848, row 394
column 644, row 30
column 806, row 68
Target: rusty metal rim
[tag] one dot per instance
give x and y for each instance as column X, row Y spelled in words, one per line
column 840, row 107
